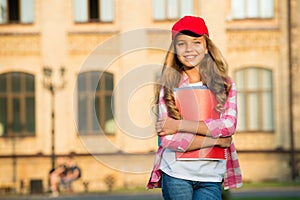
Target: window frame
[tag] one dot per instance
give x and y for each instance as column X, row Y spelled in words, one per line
column 245, row 13
column 91, row 93
column 88, row 18
column 166, row 13
column 22, row 96
column 22, row 19
column 259, row 93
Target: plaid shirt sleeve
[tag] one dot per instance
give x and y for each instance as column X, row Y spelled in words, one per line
column 226, row 124
column 223, row 127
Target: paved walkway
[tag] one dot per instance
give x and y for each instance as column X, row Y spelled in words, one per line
column 89, row 197
column 266, row 192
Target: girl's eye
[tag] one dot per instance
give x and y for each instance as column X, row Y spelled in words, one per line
column 180, row 43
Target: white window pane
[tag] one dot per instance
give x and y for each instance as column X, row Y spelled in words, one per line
column 3, row 11
column 80, row 11
column 186, row 7
column 159, row 9
column 252, row 79
column 266, row 8
column 106, row 10
column 253, row 111
column 241, row 123
column 240, row 80
column 172, row 9
column 267, row 112
column 27, row 11
column 238, row 9
column 252, row 8
column 266, row 79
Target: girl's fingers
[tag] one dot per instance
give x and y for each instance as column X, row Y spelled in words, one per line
column 158, row 127
column 161, row 133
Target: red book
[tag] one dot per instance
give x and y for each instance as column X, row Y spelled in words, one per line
column 198, row 103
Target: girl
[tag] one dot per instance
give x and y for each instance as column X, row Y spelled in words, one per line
column 193, row 59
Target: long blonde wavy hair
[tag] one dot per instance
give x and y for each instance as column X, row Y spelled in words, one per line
column 213, row 70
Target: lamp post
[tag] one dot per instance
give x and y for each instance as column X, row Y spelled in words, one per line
column 291, row 101
column 52, row 86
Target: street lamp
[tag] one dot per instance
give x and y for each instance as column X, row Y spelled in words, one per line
column 52, row 86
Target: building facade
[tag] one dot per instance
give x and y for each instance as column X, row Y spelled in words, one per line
column 77, row 77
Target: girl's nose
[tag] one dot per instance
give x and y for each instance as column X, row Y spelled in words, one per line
column 189, row 47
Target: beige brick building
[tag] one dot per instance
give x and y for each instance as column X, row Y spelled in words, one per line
column 123, row 43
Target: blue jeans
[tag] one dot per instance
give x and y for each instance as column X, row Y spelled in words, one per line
column 180, row 189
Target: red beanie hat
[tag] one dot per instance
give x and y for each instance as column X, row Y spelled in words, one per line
column 190, row 23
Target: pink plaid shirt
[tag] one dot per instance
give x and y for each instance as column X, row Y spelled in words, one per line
column 225, row 126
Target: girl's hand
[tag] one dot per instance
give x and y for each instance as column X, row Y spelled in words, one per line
column 224, row 142
column 167, row 126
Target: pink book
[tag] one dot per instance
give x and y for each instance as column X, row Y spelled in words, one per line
column 197, row 103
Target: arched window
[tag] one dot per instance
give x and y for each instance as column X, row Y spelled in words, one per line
column 17, row 104
column 95, row 106
column 255, row 99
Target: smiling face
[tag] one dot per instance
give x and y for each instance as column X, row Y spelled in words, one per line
column 190, row 50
